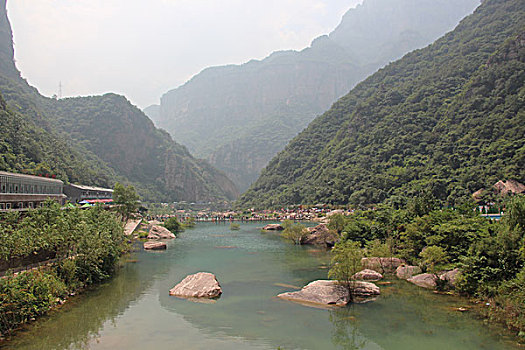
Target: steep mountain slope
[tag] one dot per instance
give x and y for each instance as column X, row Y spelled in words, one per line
column 448, row 118
column 26, row 147
column 126, row 139
column 96, row 140
column 239, row 117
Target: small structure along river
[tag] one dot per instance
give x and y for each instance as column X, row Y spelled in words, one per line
column 135, row 311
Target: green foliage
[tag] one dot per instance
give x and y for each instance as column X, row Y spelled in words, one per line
column 445, row 120
column 86, row 243
column 336, row 223
column 235, row 226
column 28, row 295
column 189, row 222
column 173, row 225
column 434, row 258
column 346, row 261
column 376, row 248
column 294, row 232
column 127, row 200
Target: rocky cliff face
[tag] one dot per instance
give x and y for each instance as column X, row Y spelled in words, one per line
column 239, row 117
column 7, row 63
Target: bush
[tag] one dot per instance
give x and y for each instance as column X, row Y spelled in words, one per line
column 87, row 244
column 294, row 232
column 28, row 295
column 173, row 225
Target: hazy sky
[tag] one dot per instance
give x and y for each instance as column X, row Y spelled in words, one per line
column 144, row 48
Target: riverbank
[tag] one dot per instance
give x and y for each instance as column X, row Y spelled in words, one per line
column 86, row 246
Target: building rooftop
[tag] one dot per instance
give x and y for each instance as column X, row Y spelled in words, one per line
column 30, row 177
column 90, row 188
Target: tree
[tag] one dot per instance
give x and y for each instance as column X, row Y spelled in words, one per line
column 337, row 222
column 434, row 258
column 173, row 225
column 294, row 232
column 346, row 261
column 126, row 199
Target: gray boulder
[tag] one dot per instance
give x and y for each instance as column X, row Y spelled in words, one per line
column 450, row 277
column 159, row 232
column 199, row 285
column 385, row 265
column 367, row 275
column 406, row 272
column 327, row 292
column 321, row 235
column 273, row 227
column 425, row 280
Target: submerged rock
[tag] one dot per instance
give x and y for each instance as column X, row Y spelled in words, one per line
column 425, row 280
column 273, row 227
column 321, row 235
column 406, row 272
column 384, row 265
column 153, row 245
column 368, row 275
column 199, row 285
column 327, row 292
column 159, row 232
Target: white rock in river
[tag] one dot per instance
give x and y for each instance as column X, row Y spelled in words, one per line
column 368, row 275
column 159, row 232
column 154, row 245
column 406, row 272
column 425, row 280
column 199, row 285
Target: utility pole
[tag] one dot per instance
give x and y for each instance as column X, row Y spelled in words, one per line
column 59, row 90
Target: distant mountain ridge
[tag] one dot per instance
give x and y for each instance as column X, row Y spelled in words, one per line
column 239, row 117
column 96, row 140
column 447, row 120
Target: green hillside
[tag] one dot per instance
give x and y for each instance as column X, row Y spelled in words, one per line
column 448, row 119
column 240, row 116
column 95, row 141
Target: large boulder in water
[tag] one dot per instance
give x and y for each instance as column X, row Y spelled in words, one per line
column 385, row 265
column 153, row 245
column 159, row 232
column 321, row 235
column 273, row 227
column 327, row 292
column 367, row 275
column 425, row 280
column 406, row 272
column 450, row 277
column 199, row 285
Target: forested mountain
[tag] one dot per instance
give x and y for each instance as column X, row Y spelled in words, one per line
column 95, row 141
column 239, row 117
column 448, row 119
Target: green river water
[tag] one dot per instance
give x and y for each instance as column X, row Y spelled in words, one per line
column 134, row 310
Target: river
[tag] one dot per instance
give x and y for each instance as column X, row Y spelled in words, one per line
column 134, row 310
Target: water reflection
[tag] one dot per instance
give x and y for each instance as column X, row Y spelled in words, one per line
column 80, row 321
